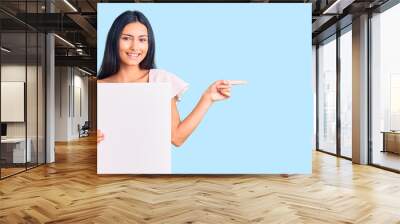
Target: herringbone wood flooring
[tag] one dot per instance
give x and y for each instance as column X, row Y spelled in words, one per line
column 70, row 191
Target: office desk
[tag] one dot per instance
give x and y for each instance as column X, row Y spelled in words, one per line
column 391, row 141
column 13, row 150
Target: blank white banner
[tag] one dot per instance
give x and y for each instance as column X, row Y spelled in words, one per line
column 136, row 121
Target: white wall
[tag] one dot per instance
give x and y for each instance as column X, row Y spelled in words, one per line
column 81, row 103
column 17, row 73
column 62, row 80
column 71, row 93
column 34, row 125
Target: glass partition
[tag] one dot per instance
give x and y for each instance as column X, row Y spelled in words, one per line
column 41, row 86
column 31, row 100
column 13, row 95
column 22, row 77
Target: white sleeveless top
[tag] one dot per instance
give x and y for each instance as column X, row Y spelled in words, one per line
column 178, row 86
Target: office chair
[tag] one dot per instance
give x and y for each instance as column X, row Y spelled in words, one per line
column 84, row 130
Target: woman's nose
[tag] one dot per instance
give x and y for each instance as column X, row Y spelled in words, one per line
column 133, row 45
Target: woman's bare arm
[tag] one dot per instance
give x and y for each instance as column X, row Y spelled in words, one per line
column 181, row 130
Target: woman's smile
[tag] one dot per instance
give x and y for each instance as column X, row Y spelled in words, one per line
column 133, row 56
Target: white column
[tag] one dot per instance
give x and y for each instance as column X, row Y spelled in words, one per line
column 50, row 92
column 50, row 99
column 360, row 90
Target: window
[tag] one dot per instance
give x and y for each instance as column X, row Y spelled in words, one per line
column 346, row 92
column 385, row 88
column 327, row 96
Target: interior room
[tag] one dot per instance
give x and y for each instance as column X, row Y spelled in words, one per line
column 48, row 104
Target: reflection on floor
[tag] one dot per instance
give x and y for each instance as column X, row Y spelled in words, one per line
column 11, row 169
column 386, row 159
column 346, row 152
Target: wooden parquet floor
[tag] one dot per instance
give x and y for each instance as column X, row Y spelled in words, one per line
column 70, row 191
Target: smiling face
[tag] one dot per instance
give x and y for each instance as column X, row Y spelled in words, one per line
column 133, row 44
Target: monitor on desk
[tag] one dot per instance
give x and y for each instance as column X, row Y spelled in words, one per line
column 3, row 130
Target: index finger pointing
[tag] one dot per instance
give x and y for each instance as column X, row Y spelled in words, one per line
column 237, row 82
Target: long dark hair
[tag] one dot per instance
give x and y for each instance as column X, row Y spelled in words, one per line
column 111, row 60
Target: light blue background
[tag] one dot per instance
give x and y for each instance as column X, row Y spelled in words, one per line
column 266, row 126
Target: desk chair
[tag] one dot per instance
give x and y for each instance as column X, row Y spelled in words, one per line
column 84, row 130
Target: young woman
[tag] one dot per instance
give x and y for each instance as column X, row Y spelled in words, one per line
column 129, row 57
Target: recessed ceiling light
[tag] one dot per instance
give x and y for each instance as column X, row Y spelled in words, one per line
column 5, row 50
column 84, row 71
column 337, row 7
column 64, row 40
column 70, row 5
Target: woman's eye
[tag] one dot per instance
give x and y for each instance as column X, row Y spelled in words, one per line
column 142, row 40
column 127, row 38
